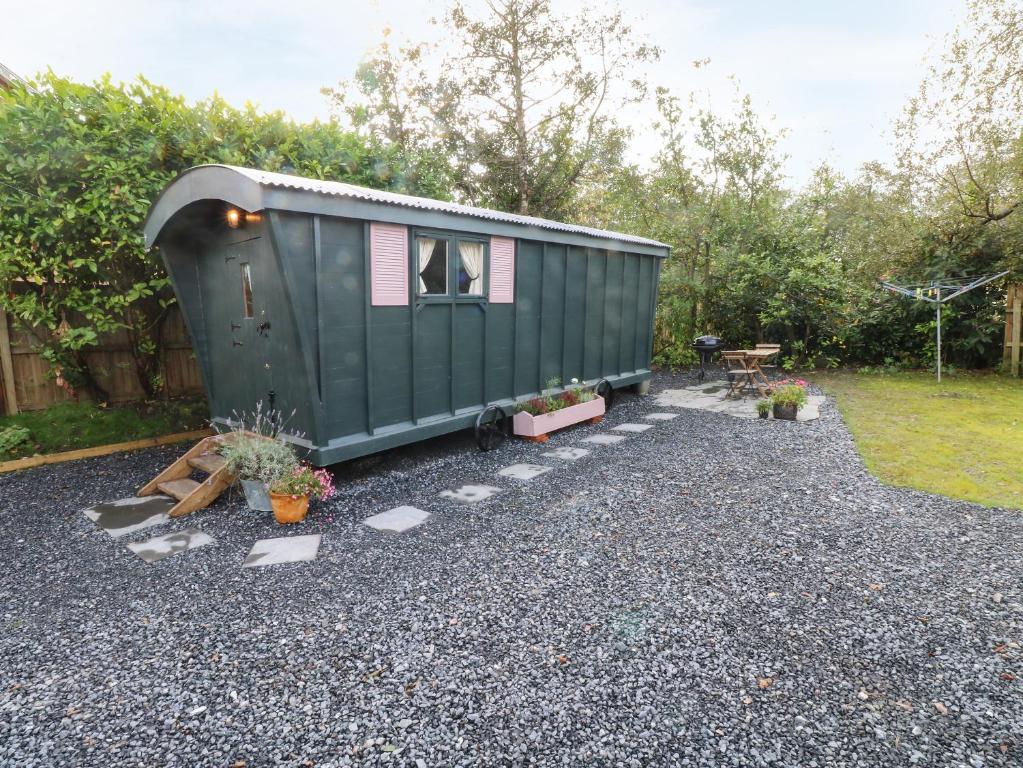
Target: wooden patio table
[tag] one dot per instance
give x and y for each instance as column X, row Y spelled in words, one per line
column 754, row 359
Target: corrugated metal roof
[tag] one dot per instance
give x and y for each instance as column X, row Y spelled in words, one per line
column 9, row 75
column 341, row 189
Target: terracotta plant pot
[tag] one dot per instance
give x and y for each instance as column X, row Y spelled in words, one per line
column 787, row 412
column 288, row 509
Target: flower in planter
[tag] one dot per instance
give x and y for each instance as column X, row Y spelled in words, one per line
column 305, row 481
column 789, row 396
column 538, row 406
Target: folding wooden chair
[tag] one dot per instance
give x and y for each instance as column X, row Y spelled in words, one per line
column 739, row 372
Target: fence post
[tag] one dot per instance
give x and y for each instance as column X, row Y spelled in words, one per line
column 1017, row 331
column 7, row 367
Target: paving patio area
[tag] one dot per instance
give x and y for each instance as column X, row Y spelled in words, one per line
column 713, row 396
column 704, row 590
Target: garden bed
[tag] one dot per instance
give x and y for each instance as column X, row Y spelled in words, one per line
column 75, row 426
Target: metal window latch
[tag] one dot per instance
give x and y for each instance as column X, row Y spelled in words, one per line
column 263, row 329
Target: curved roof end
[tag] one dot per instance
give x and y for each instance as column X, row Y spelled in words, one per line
column 203, row 182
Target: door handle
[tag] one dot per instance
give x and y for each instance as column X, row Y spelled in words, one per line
column 235, row 326
column 236, row 343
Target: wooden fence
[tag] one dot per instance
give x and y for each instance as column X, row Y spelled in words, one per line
column 1013, row 329
column 28, row 386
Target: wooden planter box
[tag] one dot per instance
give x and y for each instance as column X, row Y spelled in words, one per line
column 536, row 427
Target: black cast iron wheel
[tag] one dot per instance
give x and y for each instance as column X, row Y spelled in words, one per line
column 491, row 428
column 606, row 391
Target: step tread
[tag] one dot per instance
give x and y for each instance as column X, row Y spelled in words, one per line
column 179, row 489
column 208, row 462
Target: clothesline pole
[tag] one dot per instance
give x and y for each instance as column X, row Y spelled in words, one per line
column 956, row 286
column 939, row 334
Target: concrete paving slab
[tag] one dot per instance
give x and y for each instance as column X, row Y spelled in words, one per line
column 660, row 416
column 470, row 494
column 284, row 549
column 604, row 439
column 524, row 471
column 159, row 547
column 630, row 427
column 567, row 453
column 399, row 519
column 131, row 515
column 697, row 398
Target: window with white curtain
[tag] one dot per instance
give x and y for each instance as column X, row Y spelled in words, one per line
column 449, row 265
column 470, row 268
column 433, row 265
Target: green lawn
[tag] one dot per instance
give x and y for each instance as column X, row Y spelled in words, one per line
column 962, row 438
column 69, row 426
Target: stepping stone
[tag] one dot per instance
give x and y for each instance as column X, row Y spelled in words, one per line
column 604, row 439
column 127, row 516
column 285, row 549
column 660, row 416
column 567, row 453
column 630, row 427
column 470, row 494
column 399, row 519
column 524, row 471
column 159, row 547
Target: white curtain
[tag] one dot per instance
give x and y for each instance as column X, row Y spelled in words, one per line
column 426, row 246
column 472, row 263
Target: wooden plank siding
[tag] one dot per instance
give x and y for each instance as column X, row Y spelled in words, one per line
column 110, row 361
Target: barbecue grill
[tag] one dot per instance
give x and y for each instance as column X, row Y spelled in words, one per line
column 707, row 346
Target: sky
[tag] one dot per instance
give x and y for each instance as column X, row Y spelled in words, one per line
column 834, row 74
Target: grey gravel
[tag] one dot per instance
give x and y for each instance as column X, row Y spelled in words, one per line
column 715, row 591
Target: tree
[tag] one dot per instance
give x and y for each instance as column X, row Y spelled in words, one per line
column 79, row 167
column 960, row 137
column 524, row 107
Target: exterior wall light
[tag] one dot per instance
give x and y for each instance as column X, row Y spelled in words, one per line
column 234, row 218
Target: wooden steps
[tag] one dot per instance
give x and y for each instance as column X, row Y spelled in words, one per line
column 179, row 489
column 176, row 481
column 208, row 463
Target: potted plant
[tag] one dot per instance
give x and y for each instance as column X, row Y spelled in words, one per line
column 257, row 462
column 789, row 396
column 763, row 407
column 257, row 454
column 290, row 494
column 541, row 415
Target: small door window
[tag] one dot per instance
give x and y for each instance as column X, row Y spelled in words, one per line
column 247, row 291
column 432, row 266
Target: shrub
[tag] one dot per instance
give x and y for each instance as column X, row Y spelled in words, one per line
column 256, row 449
column 258, row 458
column 12, row 437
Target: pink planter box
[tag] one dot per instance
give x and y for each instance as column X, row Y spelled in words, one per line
column 528, row 425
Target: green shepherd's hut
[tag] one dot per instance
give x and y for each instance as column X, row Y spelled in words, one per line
column 380, row 318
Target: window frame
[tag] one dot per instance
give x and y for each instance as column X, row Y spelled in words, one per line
column 447, row 264
column 452, row 238
column 248, row 298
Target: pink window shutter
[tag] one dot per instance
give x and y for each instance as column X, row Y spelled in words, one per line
column 502, row 270
column 388, row 259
